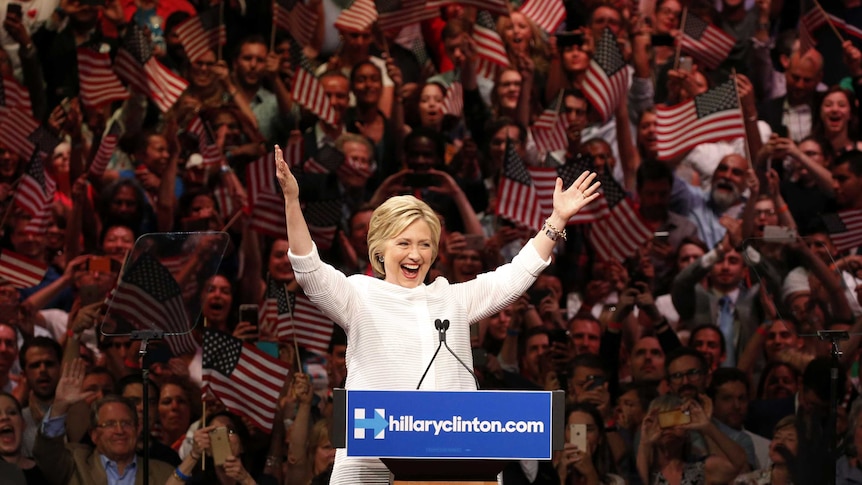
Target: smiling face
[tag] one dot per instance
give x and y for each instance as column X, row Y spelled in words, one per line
column 11, row 427
column 431, row 105
column 509, row 89
column 517, row 33
column 118, row 241
column 367, row 84
column 647, row 135
column 667, row 16
column 466, row 265
column 279, row 266
column 115, row 434
column 217, row 299
column 835, row 113
column 408, row 256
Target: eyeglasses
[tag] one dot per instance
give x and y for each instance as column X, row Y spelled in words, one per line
column 691, row 374
column 124, row 424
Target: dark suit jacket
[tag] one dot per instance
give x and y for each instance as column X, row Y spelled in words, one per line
column 772, row 111
column 76, row 464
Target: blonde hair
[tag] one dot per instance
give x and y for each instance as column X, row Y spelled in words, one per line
column 391, row 219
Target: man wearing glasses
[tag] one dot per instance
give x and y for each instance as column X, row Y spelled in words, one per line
column 113, row 429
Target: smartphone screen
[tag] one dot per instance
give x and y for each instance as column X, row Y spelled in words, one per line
column 675, row 417
column 248, row 313
column 14, row 9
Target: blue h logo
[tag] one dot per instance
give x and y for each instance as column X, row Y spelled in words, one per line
column 378, row 424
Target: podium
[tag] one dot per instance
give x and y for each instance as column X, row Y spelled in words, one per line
column 456, row 437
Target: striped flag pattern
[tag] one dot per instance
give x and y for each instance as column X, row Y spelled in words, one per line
column 845, row 228
column 622, row 232
column 489, row 44
column 300, row 20
column 136, row 66
column 545, row 180
column 397, row 14
column 16, row 126
column 595, row 210
column 149, row 297
column 202, row 33
column 547, row 14
column 107, row 145
column 549, row 129
column 210, row 152
column 267, row 205
column 707, row 118
column 21, row 271
column 98, row 83
column 35, row 192
column 245, row 379
column 358, row 17
column 606, row 82
column 705, row 42
column 14, row 95
column 226, row 205
column 308, row 92
column 323, row 218
column 453, row 102
column 517, row 199
column 313, row 329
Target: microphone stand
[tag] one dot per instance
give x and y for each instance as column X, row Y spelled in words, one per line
column 145, row 336
column 442, row 326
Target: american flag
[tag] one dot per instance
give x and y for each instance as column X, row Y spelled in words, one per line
column 16, row 127
column 313, row 329
column 327, row 160
column 500, row 7
column 806, row 40
column 210, row 152
column 21, row 271
column 545, row 181
column 547, row 14
column 453, row 102
column 396, row 14
column 707, row 43
column 308, row 92
column 267, row 206
column 623, row 231
column 845, row 228
column 517, row 199
column 136, row 66
column 358, row 17
column 607, row 79
column 489, row 44
column 98, row 83
column 107, row 145
column 707, row 118
column 814, row 19
column 299, row 19
column 549, row 129
column 224, row 200
column 293, row 153
column 202, row 33
column 14, row 95
column 323, row 218
column 245, row 379
column 43, row 139
column 595, row 210
column 35, row 192
column 149, row 297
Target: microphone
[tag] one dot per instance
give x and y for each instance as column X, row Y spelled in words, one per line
column 442, row 326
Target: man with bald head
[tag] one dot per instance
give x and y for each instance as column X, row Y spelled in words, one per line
column 792, row 113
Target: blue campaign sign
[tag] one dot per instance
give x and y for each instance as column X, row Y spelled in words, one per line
column 434, row 424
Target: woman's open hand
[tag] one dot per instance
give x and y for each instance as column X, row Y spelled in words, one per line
column 571, row 200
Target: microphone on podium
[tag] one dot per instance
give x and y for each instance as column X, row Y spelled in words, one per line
column 442, row 326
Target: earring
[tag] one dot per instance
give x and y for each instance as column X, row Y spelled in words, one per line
column 380, row 258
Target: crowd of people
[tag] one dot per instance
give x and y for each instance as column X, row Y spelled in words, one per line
column 693, row 358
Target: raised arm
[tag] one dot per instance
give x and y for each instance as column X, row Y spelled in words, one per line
column 297, row 229
column 567, row 203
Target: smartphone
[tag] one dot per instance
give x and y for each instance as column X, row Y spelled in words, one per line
column 661, row 236
column 675, row 417
column 480, row 357
column 419, row 180
column 90, row 294
column 662, row 40
column 594, row 382
column 558, row 335
column 568, row 39
column 578, row 435
column 474, row 242
column 14, row 9
column 537, row 295
column 781, row 131
column 220, row 445
column 248, row 313
column 779, row 234
column 685, row 63
column 100, row 264
column 66, row 104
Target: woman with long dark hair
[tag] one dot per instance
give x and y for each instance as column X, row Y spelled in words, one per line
column 593, row 465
